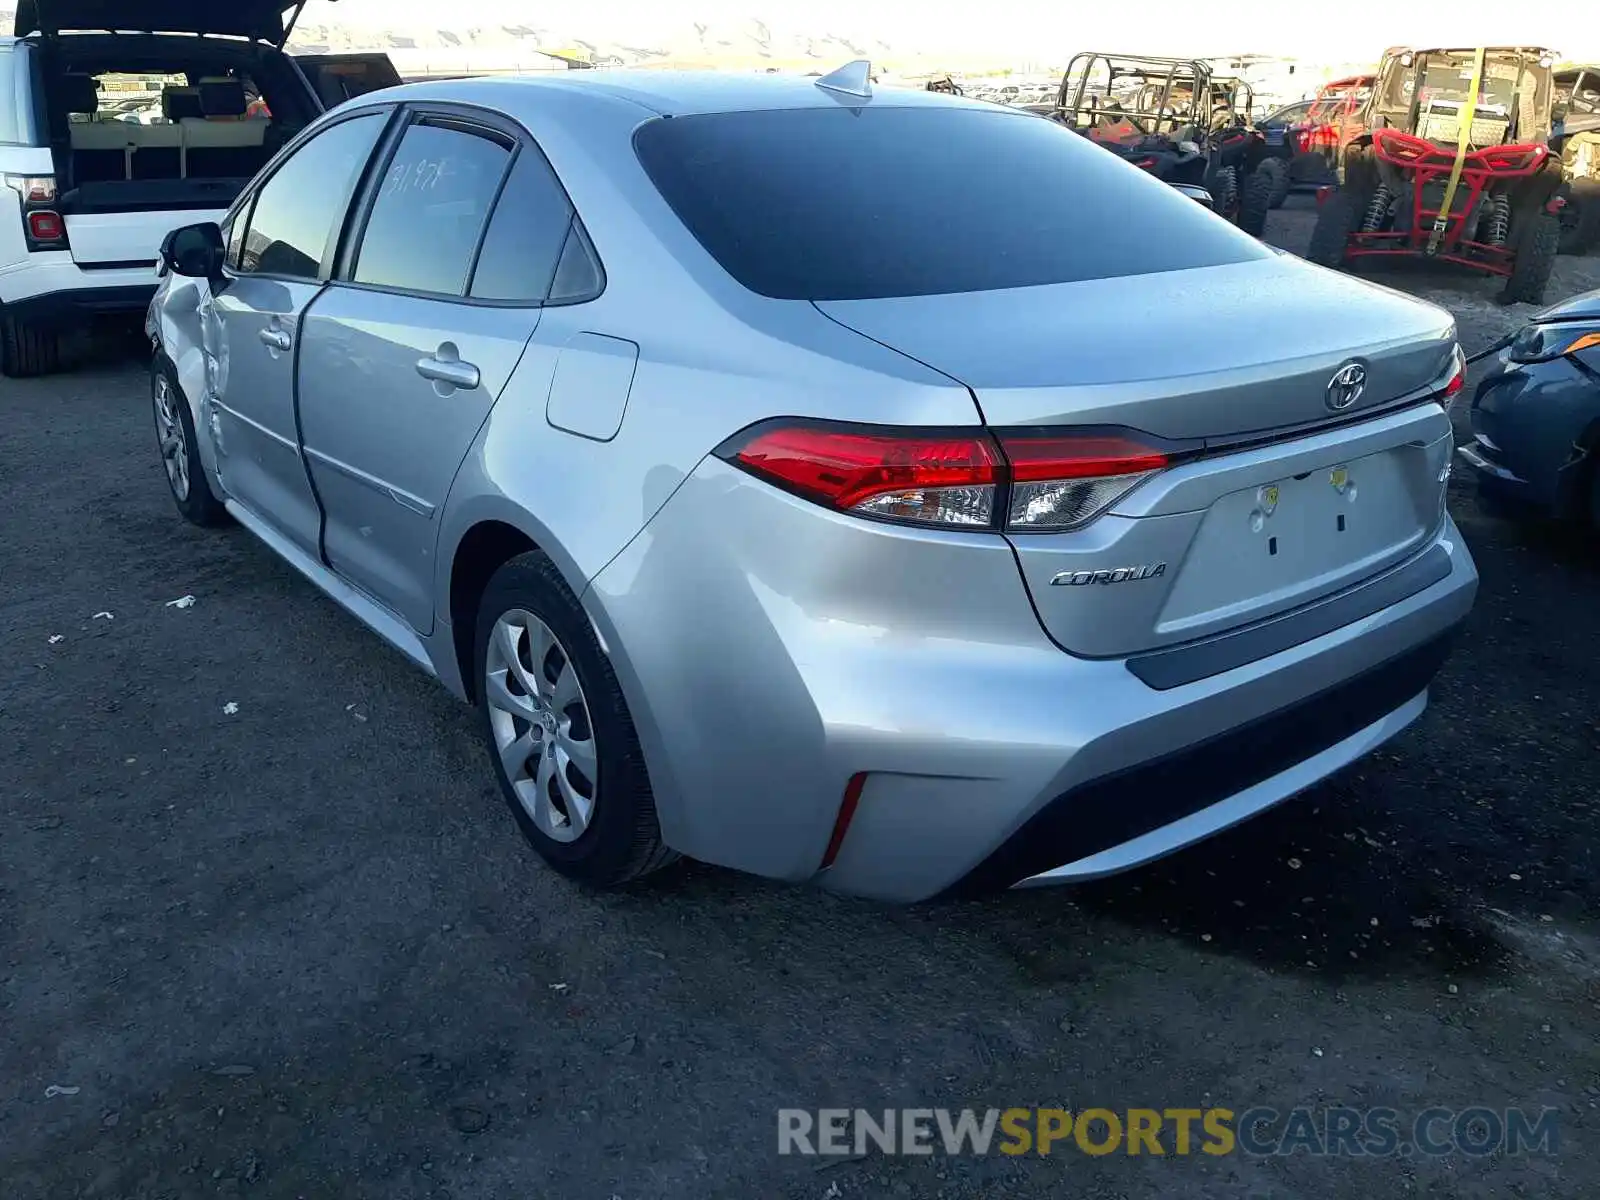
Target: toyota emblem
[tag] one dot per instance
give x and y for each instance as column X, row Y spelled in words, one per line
column 1346, row 386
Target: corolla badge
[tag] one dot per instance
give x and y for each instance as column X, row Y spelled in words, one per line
column 1114, row 575
column 1346, row 386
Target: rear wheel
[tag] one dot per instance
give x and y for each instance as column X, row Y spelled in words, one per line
column 1337, row 218
column 1256, row 202
column 27, row 349
column 1537, row 242
column 559, row 732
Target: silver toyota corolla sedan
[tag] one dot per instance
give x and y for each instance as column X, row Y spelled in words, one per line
column 787, row 495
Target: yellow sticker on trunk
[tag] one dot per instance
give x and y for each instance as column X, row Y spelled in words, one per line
column 1340, row 478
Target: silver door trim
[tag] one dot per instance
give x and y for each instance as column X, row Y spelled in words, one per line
column 257, row 425
column 400, row 496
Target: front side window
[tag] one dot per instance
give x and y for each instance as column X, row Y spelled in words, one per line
column 431, row 209
column 303, row 205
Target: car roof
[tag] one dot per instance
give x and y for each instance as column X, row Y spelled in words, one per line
column 670, row 93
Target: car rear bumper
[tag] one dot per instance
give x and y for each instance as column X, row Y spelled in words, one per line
column 764, row 675
column 52, row 289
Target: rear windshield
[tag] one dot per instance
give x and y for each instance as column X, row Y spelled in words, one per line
column 865, row 203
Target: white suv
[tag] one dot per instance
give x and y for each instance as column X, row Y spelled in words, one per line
column 86, row 193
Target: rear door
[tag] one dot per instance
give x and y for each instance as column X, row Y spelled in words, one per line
column 404, row 356
column 281, row 258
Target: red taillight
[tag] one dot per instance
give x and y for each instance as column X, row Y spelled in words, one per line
column 1401, row 147
column 1050, row 456
column 42, row 225
column 1520, row 160
column 1144, row 164
column 1458, row 377
column 1064, row 480
column 1023, row 480
column 45, row 227
column 941, row 479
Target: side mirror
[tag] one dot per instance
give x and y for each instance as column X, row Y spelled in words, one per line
column 196, row 251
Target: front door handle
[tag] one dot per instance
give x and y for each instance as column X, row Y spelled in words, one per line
column 445, row 366
column 275, row 338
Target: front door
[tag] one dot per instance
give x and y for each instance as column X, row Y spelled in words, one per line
column 403, row 358
column 254, row 326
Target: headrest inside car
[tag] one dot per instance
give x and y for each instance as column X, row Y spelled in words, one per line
column 178, row 103
column 222, row 98
column 81, row 93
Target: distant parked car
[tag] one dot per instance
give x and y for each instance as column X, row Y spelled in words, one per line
column 788, row 495
column 1536, row 414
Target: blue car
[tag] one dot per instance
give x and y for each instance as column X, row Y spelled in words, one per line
column 1536, row 414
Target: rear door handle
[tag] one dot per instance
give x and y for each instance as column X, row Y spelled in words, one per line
column 276, row 338
column 450, row 371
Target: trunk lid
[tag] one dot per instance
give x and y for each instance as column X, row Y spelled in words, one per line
column 263, row 20
column 1246, row 348
column 1288, row 501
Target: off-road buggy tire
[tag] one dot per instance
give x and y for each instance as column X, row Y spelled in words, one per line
column 1223, row 184
column 1580, row 231
column 1337, row 218
column 1281, row 185
column 27, row 349
column 1256, row 201
column 1537, row 245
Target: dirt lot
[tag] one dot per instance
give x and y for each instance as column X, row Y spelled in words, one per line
column 297, row 950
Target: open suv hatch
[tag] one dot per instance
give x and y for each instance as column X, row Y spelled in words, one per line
column 119, row 121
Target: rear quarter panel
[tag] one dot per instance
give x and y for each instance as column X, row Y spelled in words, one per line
column 713, row 359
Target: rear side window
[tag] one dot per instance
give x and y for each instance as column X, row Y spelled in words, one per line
column 525, row 236
column 430, row 212
column 864, row 203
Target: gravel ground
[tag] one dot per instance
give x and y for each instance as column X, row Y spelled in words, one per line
column 296, row 949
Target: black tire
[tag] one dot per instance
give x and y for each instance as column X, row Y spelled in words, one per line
column 1337, row 218
column 1537, row 242
column 198, row 503
column 1256, row 202
column 1224, row 188
column 1580, row 219
column 623, row 839
column 27, row 349
column 1281, row 185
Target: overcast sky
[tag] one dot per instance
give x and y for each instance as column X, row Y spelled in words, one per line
column 1351, row 29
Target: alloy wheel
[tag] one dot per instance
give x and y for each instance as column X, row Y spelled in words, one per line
column 541, row 725
column 174, row 445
